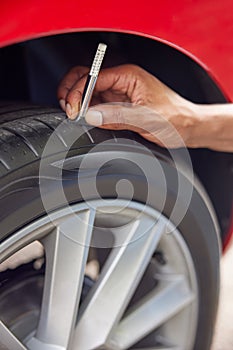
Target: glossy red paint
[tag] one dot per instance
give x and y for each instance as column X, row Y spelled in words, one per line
column 229, row 236
column 202, row 29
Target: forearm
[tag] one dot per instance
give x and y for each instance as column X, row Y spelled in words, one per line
column 214, row 127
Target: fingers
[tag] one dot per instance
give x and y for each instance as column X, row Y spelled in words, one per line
column 118, row 117
column 69, row 80
column 113, row 84
column 74, row 98
column 68, row 85
column 131, row 84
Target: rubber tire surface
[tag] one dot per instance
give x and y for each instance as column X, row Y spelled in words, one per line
column 24, row 133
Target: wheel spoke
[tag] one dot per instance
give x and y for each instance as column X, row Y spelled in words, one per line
column 119, row 278
column 66, row 254
column 151, row 312
column 7, row 339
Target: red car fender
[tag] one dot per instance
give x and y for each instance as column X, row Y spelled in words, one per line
column 202, row 29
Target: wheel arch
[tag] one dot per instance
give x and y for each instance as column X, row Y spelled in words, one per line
column 170, row 64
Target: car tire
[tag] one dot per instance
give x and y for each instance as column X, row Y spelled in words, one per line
column 38, row 156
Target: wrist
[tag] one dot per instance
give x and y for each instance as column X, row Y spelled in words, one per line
column 198, row 126
column 190, row 122
column 205, row 127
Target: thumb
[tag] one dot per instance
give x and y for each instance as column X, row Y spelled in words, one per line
column 115, row 117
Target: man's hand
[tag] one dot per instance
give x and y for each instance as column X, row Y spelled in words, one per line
column 147, row 106
column 164, row 111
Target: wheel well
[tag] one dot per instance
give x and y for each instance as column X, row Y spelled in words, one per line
column 31, row 71
column 32, row 63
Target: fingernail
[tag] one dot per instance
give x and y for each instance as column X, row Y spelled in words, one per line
column 62, row 104
column 78, row 106
column 75, row 110
column 94, row 118
column 69, row 110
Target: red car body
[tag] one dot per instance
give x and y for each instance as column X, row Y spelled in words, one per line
column 201, row 29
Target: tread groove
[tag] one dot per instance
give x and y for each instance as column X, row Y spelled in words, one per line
column 17, row 110
column 53, row 129
column 88, row 134
column 2, row 161
column 23, row 138
column 114, row 136
column 30, row 127
column 6, row 117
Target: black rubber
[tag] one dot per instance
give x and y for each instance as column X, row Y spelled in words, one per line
column 22, row 141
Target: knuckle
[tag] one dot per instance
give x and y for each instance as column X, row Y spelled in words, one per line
column 75, row 69
column 78, row 70
column 133, row 68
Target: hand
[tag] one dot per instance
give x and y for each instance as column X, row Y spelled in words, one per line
column 156, row 112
